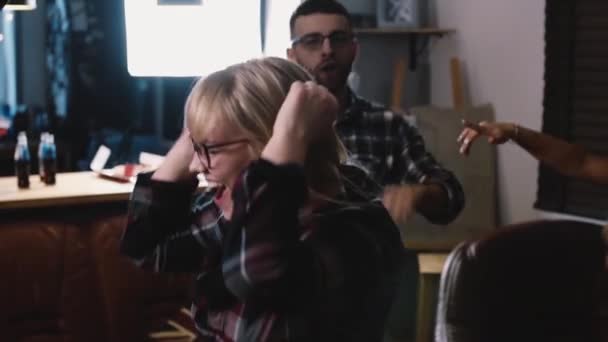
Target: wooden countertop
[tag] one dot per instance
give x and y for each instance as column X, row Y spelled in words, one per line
column 71, row 188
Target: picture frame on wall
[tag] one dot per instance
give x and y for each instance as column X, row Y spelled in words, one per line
column 398, row 13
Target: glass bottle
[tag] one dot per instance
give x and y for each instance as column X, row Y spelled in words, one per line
column 41, row 146
column 22, row 161
column 49, row 159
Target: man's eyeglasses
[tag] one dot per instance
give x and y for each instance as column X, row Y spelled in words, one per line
column 204, row 151
column 314, row 41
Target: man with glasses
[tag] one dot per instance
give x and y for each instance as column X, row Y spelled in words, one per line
column 382, row 142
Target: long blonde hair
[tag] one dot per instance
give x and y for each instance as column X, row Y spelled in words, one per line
column 247, row 96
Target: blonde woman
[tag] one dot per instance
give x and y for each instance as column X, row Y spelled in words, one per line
column 283, row 248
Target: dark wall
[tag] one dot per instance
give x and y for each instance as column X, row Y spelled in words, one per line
column 104, row 95
column 175, row 90
column 30, row 33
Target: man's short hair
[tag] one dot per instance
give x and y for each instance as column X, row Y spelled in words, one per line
column 319, row 6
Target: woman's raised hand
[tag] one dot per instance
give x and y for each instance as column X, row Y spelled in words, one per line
column 306, row 116
column 178, row 161
column 308, row 112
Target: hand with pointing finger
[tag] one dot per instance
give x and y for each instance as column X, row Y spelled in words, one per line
column 497, row 133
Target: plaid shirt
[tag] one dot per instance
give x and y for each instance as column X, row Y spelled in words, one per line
column 270, row 273
column 392, row 151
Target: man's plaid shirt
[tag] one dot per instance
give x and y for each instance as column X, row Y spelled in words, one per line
column 271, row 273
column 392, row 151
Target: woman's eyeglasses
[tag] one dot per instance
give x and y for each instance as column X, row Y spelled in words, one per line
column 204, row 151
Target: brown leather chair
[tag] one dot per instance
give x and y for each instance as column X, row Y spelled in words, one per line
column 534, row 281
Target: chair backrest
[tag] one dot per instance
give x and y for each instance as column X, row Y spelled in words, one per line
column 534, row 281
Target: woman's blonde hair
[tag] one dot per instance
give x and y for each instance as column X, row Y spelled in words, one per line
column 247, row 96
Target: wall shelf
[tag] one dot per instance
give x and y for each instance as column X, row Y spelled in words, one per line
column 412, row 35
column 404, row 31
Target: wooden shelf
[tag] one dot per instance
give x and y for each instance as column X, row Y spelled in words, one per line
column 404, row 31
column 412, row 35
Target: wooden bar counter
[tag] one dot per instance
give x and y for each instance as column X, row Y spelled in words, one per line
column 72, row 188
column 82, row 217
column 63, row 277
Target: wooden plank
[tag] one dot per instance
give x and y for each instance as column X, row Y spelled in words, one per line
column 591, row 50
column 591, row 63
column 427, row 304
column 589, row 92
column 456, row 78
column 431, row 266
column 590, row 78
column 591, row 36
column 590, row 8
column 599, row 106
column 399, row 76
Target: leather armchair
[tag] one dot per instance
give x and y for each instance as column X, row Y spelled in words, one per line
column 534, row 281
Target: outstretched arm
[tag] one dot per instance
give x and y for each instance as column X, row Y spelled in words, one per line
column 424, row 185
column 566, row 158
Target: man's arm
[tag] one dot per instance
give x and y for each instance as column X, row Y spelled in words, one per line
column 568, row 159
column 425, row 185
column 427, row 199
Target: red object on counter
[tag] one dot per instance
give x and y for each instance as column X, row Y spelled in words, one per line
column 129, row 168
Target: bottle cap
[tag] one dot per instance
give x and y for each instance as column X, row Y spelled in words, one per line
column 22, row 138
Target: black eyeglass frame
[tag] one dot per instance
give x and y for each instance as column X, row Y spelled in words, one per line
column 202, row 150
column 315, row 40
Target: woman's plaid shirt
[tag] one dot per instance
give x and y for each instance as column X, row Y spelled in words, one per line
column 271, row 274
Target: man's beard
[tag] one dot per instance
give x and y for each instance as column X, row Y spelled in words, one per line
column 331, row 75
